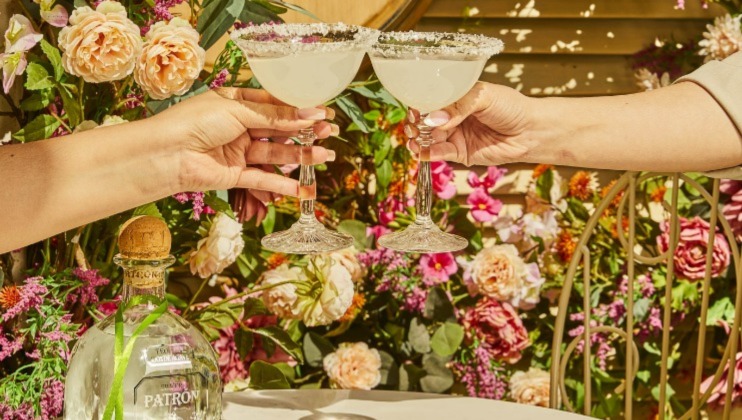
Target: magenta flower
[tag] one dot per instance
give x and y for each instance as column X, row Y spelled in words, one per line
column 443, row 177
column 690, row 255
column 483, row 207
column 377, row 231
column 488, row 180
column 437, row 268
column 32, row 296
column 388, row 208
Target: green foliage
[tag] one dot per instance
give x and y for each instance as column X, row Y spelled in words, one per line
column 266, row 376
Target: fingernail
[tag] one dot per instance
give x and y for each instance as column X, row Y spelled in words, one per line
column 330, row 155
column 410, row 131
column 330, row 114
column 437, row 118
column 413, row 115
column 334, row 129
column 312, row 114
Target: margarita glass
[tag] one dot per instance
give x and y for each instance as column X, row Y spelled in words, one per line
column 428, row 71
column 305, row 65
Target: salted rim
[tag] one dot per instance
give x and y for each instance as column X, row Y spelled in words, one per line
column 442, row 44
column 289, row 38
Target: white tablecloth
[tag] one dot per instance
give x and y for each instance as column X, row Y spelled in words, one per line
column 329, row 404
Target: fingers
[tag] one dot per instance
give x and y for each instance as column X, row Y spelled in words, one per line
column 477, row 99
column 321, row 129
column 254, row 115
column 279, row 154
column 248, row 94
column 257, row 179
column 438, row 151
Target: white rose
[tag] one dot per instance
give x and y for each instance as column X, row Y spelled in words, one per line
column 353, row 366
column 281, row 300
column 219, row 249
column 530, row 387
column 347, row 258
column 335, row 297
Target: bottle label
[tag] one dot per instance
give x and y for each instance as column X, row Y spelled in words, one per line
column 172, row 397
column 144, row 277
column 168, row 357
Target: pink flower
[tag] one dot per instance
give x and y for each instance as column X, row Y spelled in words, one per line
column 32, row 295
column 437, row 268
column 733, row 208
column 388, row 209
column 220, row 79
column 19, row 38
column 690, row 255
column 443, row 175
column 498, row 328
column 197, row 199
column 52, row 399
column 718, row 395
column 87, row 292
column 483, row 207
column 377, row 231
column 488, row 180
column 54, row 16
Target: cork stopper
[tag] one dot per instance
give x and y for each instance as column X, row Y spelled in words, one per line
column 144, row 238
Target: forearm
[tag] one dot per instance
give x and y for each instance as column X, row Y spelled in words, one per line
column 58, row 184
column 677, row 128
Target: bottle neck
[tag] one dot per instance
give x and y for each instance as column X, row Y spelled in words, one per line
column 144, row 277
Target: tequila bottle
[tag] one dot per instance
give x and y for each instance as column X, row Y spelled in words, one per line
column 171, row 372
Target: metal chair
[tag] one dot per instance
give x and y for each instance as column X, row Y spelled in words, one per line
column 628, row 183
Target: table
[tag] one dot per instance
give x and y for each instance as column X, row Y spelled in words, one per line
column 328, row 404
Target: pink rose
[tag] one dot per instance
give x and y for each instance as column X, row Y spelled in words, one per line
column 437, row 268
column 498, row 328
column 484, row 208
column 488, row 180
column 733, row 208
column 443, row 175
column 690, row 255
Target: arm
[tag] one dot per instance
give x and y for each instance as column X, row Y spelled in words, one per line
column 677, row 128
column 203, row 143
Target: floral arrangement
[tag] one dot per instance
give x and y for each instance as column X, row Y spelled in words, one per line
column 477, row 323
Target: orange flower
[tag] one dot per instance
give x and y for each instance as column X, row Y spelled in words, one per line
column 352, row 180
column 397, row 188
column 658, row 195
column 275, row 260
column 540, row 169
column 605, row 190
column 582, row 185
column 9, row 297
column 321, row 211
column 614, row 227
column 354, row 309
column 565, row 246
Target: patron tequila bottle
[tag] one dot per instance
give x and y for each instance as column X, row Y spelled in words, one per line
column 171, row 371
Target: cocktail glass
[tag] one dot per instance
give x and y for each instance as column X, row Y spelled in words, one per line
column 305, row 65
column 428, row 71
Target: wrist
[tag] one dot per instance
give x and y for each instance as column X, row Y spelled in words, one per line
column 547, row 124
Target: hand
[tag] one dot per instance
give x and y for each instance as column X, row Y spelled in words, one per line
column 217, row 132
column 488, row 126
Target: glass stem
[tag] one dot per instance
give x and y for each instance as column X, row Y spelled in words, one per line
column 424, row 192
column 307, row 182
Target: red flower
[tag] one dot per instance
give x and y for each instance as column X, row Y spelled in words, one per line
column 690, row 255
column 499, row 329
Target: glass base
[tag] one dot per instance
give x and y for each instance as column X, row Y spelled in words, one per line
column 422, row 238
column 306, row 237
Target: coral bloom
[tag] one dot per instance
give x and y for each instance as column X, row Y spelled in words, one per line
column 498, row 328
column 101, row 45
column 484, row 208
column 353, row 366
column 583, row 184
column 437, row 268
column 170, row 60
column 690, row 255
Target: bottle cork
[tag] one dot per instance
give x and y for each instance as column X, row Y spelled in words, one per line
column 144, row 238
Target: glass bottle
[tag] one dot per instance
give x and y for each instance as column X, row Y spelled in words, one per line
column 172, row 371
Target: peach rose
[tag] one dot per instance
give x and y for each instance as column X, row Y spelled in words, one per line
column 170, row 60
column 100, row 45
column 353, row 366
column 498, row 272
column 347, row 258
column 530, row 387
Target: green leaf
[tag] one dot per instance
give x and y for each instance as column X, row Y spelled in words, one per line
column 147, row 210
column 37, row 77
column 38, row 100
column 55, row 58
column 253, row 307
column 544, row 184
column 81, row 3
column 353, row 112
column 41, row 127
column 257, row 14
column 282, row 338
column 439, row 378
column 266, row 376
column 357, row 230
column 396, row 334
column 218, row 204
column 721, row 310
column 287, row 370
column 437, row 305
column 316, row 348
column 243, row 340
column 71, row 106
column 377, row 92
column 382, row 152
column 216, row 18
column 296, row 9
column 269, row 222
column 447, row 339
column 384, row 173
column 176, row 301
column 641, row 308
column 643, row 375
column 418, row 336
column 669, row 392
column 409, row 377
column 155, row 107
column 389, row 369
column 683, row 293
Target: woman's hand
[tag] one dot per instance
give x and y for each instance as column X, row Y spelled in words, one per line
column 218, row 131
column 488, row 126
